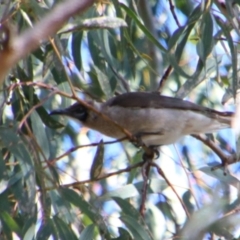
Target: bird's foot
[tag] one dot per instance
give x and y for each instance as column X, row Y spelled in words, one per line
column 150, row 153
column 138, row 138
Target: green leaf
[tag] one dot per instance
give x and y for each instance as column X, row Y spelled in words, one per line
column 167, row 209
column 64, row 230
column 4, row 202
column 173, row 61
column 4, row 184
column 138, row 231
column 124, row 234
column 30, row 234
column 86, row 208
column 61, row 205
column 233, row 54
column 10, row 222
column 96, row 87
column 187, row 201
column 48, row 120
column 29, row 225
column 128, row 209
column 39, row 54
column 88, row 233
column 132, row 190
column 46, row 229
column 205, row 44
column 24, row 191
column 64, row 86
column 104, row 42
column 177, row 34
column 209, row 213
column 40, row 134
column 195, row 15
column 181, row 34
column 95, row 50
column 219, row 175
column 29, row 67
column 97, row 164
column 76, row 49
column 103, row 81
column 126, row 191
column 3, row 170
column 142, row 27
column 183, row 41
column 58, row 76
column 155, row 185
column 202, row 72
column 15, row 145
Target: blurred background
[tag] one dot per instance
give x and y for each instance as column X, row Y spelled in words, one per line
column 59, row 181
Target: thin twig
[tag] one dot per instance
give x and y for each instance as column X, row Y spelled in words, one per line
column 226, row 159
column 40, row 85
column 127, row 169
column 73, row 149
column 164, row 78
column 55, row 48
column 124, row 82
column 33, row 108
column 173, row 13
column 145, row 173
column 148, row 157
column 161, row 173
column 188, row 178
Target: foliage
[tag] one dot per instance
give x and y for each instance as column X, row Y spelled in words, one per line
column 60, row 181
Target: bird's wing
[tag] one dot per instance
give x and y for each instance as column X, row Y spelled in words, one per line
column 155, row 100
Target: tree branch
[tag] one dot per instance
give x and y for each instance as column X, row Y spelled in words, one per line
column 226, row 159
column 17, row 47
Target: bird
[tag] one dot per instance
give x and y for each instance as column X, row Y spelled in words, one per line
column 151, row 117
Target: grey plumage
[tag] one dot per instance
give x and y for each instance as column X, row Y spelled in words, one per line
column 158, row 120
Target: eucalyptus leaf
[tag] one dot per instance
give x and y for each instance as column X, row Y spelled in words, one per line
column 219, row 175
column 142, row 27
column 97, row 164
column 137, row 230
column 40, row 134
column 205, row 44
column 87, row 233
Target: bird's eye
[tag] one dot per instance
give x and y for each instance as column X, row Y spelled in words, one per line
column 81, row 113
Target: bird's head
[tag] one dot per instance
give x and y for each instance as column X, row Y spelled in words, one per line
column 77, row 111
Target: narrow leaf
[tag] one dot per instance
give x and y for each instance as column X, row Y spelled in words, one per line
column 87, row 233
column 76, row 49
column 142, row 27
column 97, row 164
column 205, row 44
column 86, row 208
column 136, row 229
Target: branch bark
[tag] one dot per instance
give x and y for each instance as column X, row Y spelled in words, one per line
column 19, row 46
column 226, row 159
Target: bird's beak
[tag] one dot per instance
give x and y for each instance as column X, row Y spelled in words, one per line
column 75, row 111
column 69, row 111
column 60, row 112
